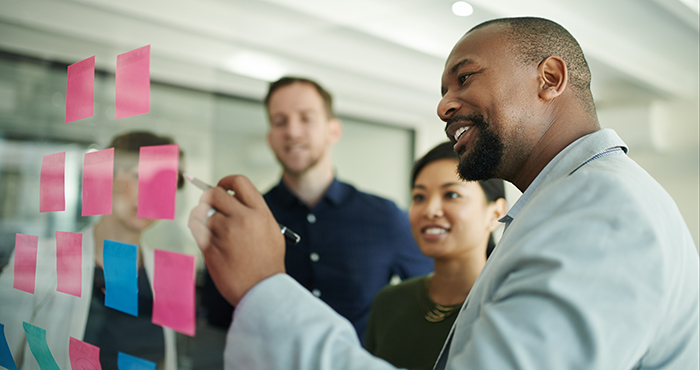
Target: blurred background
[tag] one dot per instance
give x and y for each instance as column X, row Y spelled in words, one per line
column 211, row 62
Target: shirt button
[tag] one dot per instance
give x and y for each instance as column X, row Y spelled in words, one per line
column 316, row 293
column 311, row 218
column 314, row 257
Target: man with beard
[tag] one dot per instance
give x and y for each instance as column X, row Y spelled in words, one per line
column 596, row 268
column 352, row 243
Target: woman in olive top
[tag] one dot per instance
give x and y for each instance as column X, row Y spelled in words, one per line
column 451, row 221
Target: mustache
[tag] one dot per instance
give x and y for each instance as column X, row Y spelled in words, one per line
column 475, row 118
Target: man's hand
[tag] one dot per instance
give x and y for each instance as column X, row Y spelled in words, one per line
column 241, row 243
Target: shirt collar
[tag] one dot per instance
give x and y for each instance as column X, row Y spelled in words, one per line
column 582, row 151
column 336, row 193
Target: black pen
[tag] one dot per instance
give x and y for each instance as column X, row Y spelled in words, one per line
column 290, row 235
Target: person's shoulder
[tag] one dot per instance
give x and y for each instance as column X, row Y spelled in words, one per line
column 609, row 201
column 375, row 201
column 276, row 188
column 615, row 181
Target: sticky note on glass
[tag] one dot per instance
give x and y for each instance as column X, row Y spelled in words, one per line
column 158, row 166
column 128, row 362
column 121, row 276
column 133, row 83
column 26, row 247
column 6, row 359
column 80, row 88
column 83, row 356
column 98, row 172
column 69, row 262
column 173, row 291
column 51, row 183
column 36, row 338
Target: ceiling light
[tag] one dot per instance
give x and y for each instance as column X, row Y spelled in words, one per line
column 692, row 4
column 462, row 8
column 255, row 65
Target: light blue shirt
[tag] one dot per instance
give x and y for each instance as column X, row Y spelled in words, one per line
column 596, row 270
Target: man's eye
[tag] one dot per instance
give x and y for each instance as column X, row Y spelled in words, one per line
column 463, row 78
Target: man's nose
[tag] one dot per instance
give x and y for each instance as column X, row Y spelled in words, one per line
column 447, row 107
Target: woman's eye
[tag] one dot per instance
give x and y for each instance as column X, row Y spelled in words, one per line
column 418, row 198
column 451, row 195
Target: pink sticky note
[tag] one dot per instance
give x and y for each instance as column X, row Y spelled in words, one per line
column 26, row 247
column 83, row 356
column 158, row 167
column 80, row 88
column 133, row 83
column 98, row 170
column 173, row 291
column 69, row 258
column 51, row 183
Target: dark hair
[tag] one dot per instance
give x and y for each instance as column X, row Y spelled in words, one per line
column 126, row 150
column 535, row 39
column 289, row 80
column 494, row 189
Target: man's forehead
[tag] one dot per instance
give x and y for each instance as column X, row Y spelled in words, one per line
column 297, row 109
column 300, row 96
column 474, row 45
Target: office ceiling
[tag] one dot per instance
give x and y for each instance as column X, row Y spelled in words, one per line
column 381, row 58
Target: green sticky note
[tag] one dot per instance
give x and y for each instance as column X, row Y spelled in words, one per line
column 36, row 337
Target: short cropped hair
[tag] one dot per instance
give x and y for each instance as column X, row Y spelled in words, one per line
column 494, row 189
column 535, row 39
column 289, row 80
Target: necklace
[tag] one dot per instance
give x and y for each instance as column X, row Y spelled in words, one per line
column 432, row 311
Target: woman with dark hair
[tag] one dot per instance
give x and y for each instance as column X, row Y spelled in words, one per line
column 452, row 221
column 86, row 317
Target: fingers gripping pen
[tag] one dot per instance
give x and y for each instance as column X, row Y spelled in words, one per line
column 290, row 235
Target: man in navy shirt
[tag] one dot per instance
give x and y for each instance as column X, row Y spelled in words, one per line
column 352, row 243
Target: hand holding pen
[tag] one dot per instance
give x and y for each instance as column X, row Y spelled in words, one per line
column 241, row 242
column 290, row 235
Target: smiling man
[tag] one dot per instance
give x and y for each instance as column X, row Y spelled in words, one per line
column 596, row 268
column 352, row 243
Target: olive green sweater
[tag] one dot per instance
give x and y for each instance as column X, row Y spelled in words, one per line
column 398, row 331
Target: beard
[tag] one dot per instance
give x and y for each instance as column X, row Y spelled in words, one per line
column 297, row 171
column 485, row 158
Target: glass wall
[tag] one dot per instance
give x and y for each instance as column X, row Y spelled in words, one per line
column 219, row 135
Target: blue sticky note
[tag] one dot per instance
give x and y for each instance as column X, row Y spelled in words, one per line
column 36, row 337
column 121, row 277
column 6, row 359
column 128, row 362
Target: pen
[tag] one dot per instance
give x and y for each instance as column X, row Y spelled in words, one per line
column 290, row 235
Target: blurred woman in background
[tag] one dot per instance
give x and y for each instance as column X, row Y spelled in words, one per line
column 86, row 317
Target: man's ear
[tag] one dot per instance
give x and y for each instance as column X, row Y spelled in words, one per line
column 554, row 77
column 335, row 129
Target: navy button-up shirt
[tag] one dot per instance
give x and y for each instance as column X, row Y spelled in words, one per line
column 352, row 243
